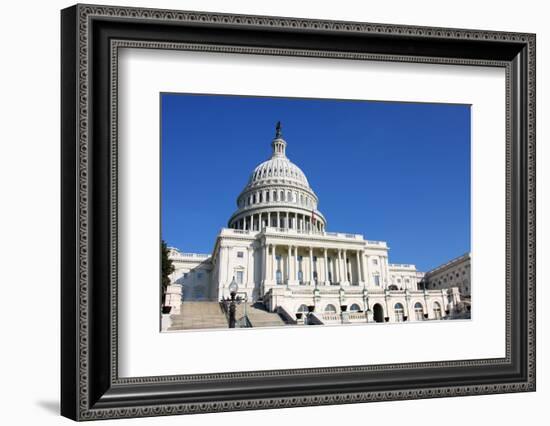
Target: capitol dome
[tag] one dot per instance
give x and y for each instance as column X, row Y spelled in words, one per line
column 278, row 195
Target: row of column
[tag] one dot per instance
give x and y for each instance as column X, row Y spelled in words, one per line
column 277, row 196
column 285, row 220
column 339, row 268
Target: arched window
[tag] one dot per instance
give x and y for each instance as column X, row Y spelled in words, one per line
column 330, row 308
column 301, row 199
column 282, row 195
column 399, row 312
column 302, row 308
column 261, row 197
column 418, row 311
column 437, row 311
column 274, row 195
column 267, row 197
column 254, row 199
column 354, row 308
column 289, row 196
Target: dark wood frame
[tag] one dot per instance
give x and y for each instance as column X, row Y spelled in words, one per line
column 91, row 388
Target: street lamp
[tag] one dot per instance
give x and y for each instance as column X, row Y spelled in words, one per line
column 233, row 288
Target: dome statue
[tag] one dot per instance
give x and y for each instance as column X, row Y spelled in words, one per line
column 278, row 195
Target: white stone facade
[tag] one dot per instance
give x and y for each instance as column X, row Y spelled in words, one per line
column 455, row 273
column 278, row 249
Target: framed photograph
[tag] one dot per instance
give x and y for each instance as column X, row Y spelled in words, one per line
column 263, row 212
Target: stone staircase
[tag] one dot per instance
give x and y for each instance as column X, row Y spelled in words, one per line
column 259, row 317
column 197, row 315
column 203, row 315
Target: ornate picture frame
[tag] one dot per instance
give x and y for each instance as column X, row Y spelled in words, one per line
column 90, row 38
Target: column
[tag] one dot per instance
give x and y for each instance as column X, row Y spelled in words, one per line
column 338, row 274
column 359, row 274
column 268, row 218
column 264, row 262
column 296, row 264
column 278, row 220
column 327, row 282
column 250, row 278
column 288, row 266
column 311, row 265
column 365, row 264
column 273, row 264
column 345, row 254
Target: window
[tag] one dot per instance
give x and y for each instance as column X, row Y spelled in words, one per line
column 375, row 261
column 377, row 280
column 240, row 254
column 330, row 308
column 354, row 308
column 199, row 275
column 399, row 313
column 418, row 311
column 300, row 277
column 267, row 197
column 185, row 275
column 239, row 275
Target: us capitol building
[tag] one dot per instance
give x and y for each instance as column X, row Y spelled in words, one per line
column 291, row 270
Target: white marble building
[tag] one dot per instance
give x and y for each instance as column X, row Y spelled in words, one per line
column 277, row 247
column 455, row 273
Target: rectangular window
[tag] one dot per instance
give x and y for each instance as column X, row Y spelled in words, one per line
column 377, row 280
column 239, row 277
column 199, row 275
column 375, row 261
column 240, row 254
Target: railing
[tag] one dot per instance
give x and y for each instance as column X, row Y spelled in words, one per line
column 401, row 265
column 243, row 322
column 236, row 231
column 288, row 318
column 314, row 232
column 357, row 316
column 189, row 255
column 375, row 243
column 330, row 316
column 313, row 319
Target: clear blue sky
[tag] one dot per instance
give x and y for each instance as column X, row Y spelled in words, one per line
column 397, row 172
